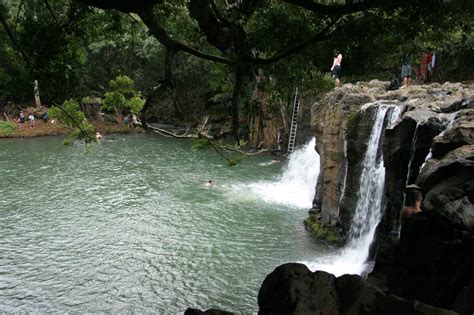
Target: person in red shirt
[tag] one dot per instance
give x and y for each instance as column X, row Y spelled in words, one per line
column 425, row 64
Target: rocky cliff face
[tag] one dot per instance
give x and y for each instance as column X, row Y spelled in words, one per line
column 342, row 130
column 430, row 145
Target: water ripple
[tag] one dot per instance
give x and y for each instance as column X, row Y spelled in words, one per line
column 129, row 227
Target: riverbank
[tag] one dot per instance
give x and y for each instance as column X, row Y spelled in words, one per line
column 54, row 129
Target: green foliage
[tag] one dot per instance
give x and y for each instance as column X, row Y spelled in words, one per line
column 75, row 50
column 114, row 100
column 70, row 114
column 234, row 161
column 84, row 134
column 123, row 85
column 7, row 127
column 123, row 97
column 135, row 105
column 200, row 143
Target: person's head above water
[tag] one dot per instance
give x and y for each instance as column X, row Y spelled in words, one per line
column 413, row 197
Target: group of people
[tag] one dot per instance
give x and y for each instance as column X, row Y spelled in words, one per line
column 22, row 119
column 132, row 121
column 423, row 73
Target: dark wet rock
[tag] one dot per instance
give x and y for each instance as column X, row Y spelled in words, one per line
column 468, row 103
column 448, row 184
column 432, row 255
column 451, row 104
column 294, row 289
column 464, row 303
column 460, row 133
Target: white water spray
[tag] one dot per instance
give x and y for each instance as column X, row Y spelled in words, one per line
column 295, row 187
column 352, row 258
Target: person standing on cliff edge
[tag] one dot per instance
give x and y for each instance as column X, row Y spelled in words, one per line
column 413, row 199
column 406, row 70
column 336, row 68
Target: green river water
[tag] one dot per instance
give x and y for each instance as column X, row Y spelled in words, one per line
column 129, row 227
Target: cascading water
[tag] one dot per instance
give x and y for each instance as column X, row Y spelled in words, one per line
column 352, row 258
column 368, row 212
column 412, row 153
column 295, row 187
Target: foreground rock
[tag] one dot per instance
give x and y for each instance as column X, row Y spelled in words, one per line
column 294, row 289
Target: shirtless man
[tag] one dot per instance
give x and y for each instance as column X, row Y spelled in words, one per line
column 336, row 68
column 413, row 199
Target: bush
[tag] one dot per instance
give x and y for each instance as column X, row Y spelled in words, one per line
column 123, row 98
column 7, row 127
column 70, row 114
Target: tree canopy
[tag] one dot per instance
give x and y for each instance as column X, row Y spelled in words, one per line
column 212, row 49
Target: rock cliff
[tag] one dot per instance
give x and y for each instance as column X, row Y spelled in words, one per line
column 430, row 145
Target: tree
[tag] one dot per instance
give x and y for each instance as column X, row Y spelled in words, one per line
column 226, row 27
column 123, row 97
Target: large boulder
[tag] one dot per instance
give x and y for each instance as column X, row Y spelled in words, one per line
column 460, row 133
column 435, row 263
column 293, row 289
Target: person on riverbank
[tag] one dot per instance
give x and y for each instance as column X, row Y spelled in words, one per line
column 336, row 68
column 406, row 70
column 31, row 118
column 21, row 120
column 135, row 121
column 413, row 199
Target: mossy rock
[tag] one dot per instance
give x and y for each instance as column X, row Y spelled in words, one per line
column 328, row 234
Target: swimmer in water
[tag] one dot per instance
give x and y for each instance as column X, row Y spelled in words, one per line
column 209, row 183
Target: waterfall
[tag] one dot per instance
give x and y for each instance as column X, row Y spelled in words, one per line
column 412, row 153
column 295, row 186
column 352, row 258
column 368, row 211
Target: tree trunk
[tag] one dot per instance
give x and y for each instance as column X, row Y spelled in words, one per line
column 235, row 102
column 37, row 95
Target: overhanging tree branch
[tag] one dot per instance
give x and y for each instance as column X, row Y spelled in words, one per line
column 164, row 38
column 337, row 9
column 323, row 34
column 126, row 6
